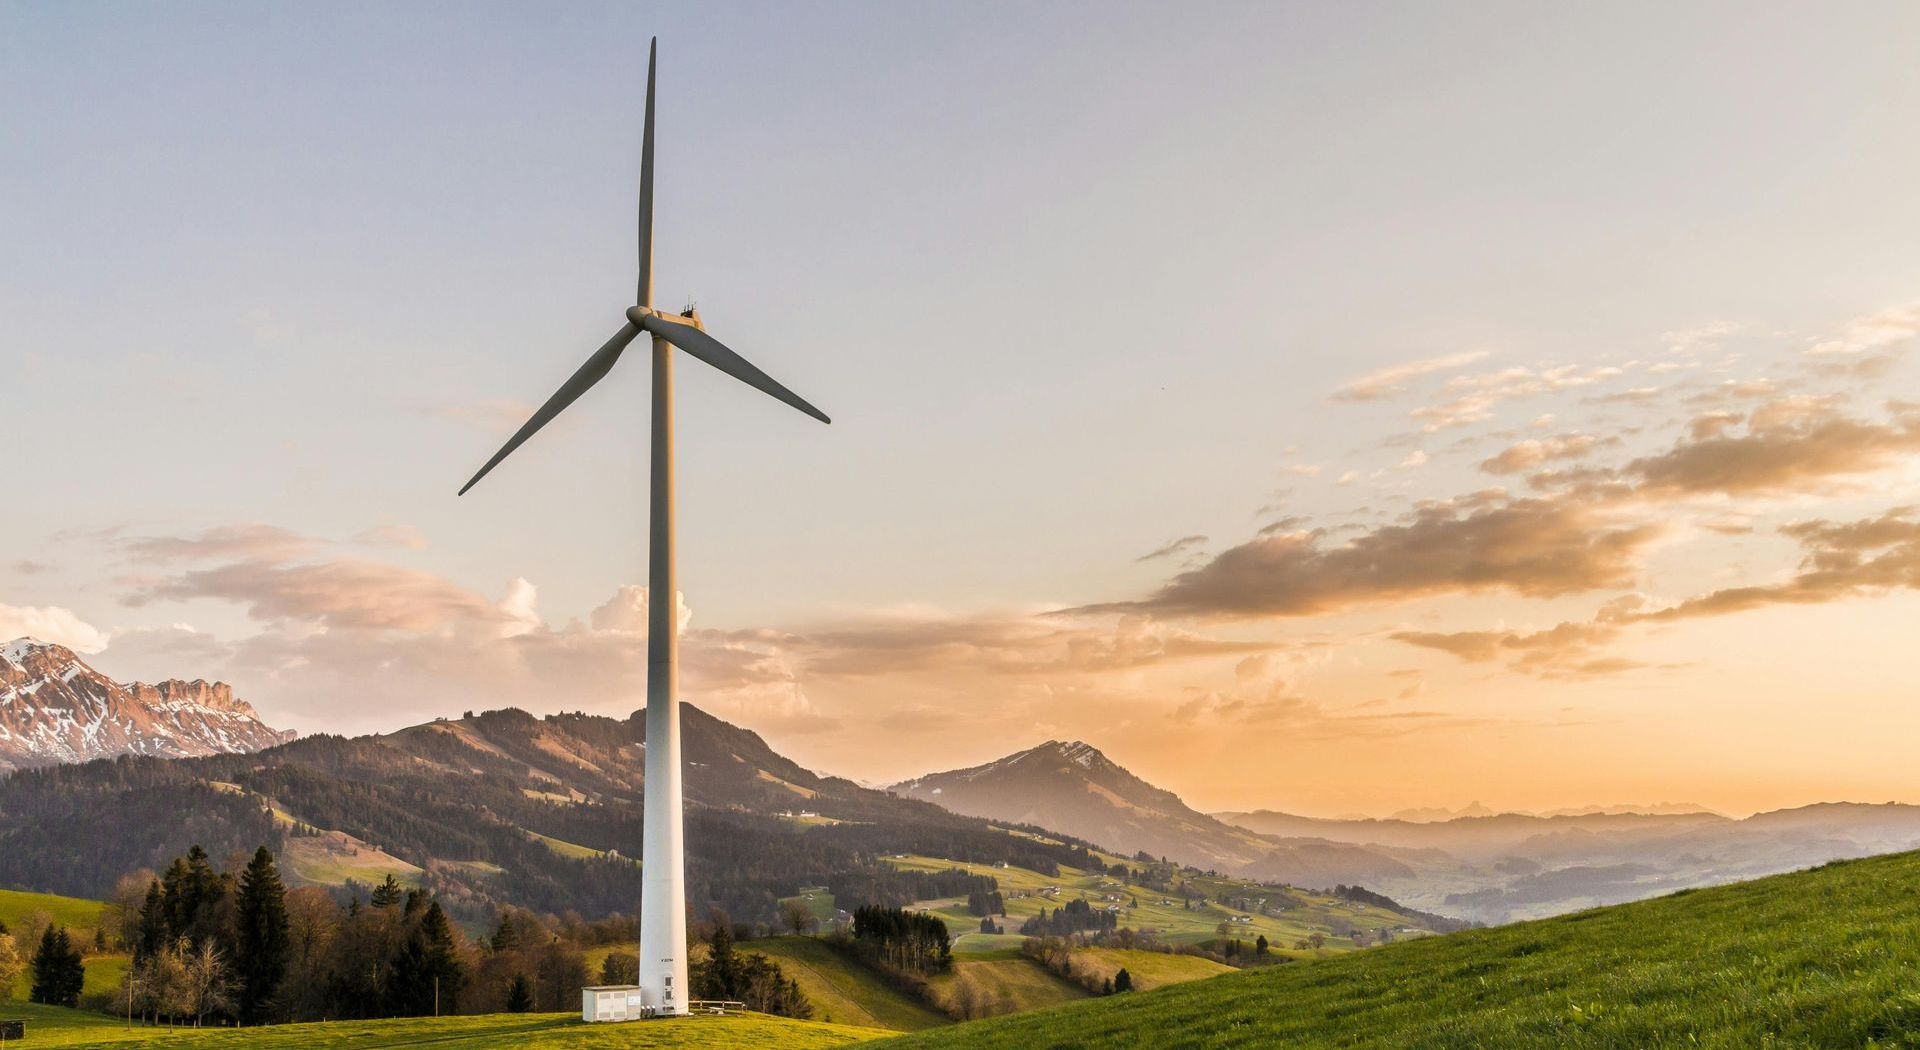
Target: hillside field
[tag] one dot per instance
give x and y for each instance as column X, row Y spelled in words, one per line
column 844, row 991
column 1828, row 957
column 52, row 1026
column 1024, row 893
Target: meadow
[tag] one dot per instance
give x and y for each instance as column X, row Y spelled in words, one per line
column 1823, row 958
column 1141, row 909
column 52, row 1026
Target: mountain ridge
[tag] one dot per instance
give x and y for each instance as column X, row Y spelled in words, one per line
column 55, row 708
column 1074, row 788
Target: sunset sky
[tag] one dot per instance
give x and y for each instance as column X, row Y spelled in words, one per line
column 1326, row 408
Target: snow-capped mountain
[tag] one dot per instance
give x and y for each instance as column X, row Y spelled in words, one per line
column 54, row 708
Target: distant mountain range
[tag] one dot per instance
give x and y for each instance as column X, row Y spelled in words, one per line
column 1071, row 787
column 54, row 708
column 1475, row 864
column 1516, row 866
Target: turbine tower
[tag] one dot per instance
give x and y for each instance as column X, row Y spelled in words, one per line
column 663, row 907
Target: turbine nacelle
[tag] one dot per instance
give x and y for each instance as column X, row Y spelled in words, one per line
column 639, row 314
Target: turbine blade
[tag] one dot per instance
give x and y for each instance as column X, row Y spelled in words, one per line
column 698, row 343
column 643, row 296
column 590, row 373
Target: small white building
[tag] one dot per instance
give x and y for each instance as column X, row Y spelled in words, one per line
column 613, row 1002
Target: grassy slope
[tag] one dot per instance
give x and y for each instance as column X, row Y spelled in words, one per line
column 1171, row 923
column 843, row 991
column 47, row 1026
column 1150, row 970
column 80, row 916
column 1828, row 957
column 1007, row 981
column 73, row 912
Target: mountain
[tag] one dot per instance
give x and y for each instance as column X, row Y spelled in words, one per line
column 1428, row 814
column 1073, row 788
column 501, row 808
column 54, row 708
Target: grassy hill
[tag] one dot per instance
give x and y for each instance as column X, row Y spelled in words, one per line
column 1827, row 957
column 51, row 1026
column 1026, row 892
column 81, row 917
column 843, row 991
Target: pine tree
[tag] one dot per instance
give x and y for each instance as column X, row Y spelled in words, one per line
column 58, row 971
column 388, row 893
column 619, row 968
column 519, row 994
column 263, row 947
column 1260, row 946
column 1123, row 981
column 427, row 975
column 152, row 933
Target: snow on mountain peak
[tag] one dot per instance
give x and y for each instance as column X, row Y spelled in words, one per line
column 54, row 708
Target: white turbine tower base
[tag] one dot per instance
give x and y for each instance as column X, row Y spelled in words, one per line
column 663, row 877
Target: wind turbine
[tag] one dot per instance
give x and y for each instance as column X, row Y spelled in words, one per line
column 663, row 909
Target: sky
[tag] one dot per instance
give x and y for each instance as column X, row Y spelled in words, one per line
column 1324, row 408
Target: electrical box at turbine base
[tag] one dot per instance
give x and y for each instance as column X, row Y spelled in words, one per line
column 613, row 1002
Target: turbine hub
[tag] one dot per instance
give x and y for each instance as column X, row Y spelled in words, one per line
column 638, row 315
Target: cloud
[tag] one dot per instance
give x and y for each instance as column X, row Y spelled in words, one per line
column 1001, row 645
column 1472, row 398
column 1485, row 542
column 1786, row 448
column 1389, row 381
column 1531, row 453
column 1173, row 548
column 626, row 611
column 250, row 540
column 344, row 594
column 1841, row 560
column 1878, row 331
column 28, row 567
column 50, row 623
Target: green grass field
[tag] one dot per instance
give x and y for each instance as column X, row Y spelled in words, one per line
column 51, row 1026
column 81, row 917
column 1822, row 958
column 1149, row 970
column 74, row 913
column 1004, row 981
column 844, row 991
column 1024, row 892
column 818, row 902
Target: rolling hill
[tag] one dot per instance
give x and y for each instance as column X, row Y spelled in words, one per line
column 500, row 807
column 1825, row 957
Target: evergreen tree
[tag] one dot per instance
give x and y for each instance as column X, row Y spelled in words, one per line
column 427, row 975
column 620, row 968
column 388, row 893
column 58, row 971
column 152, row 933
column 1260, row 945
column 519, row 994
column 263, row 947
column 1123, row 981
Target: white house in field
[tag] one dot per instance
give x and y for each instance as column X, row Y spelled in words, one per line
column 613, row 1002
